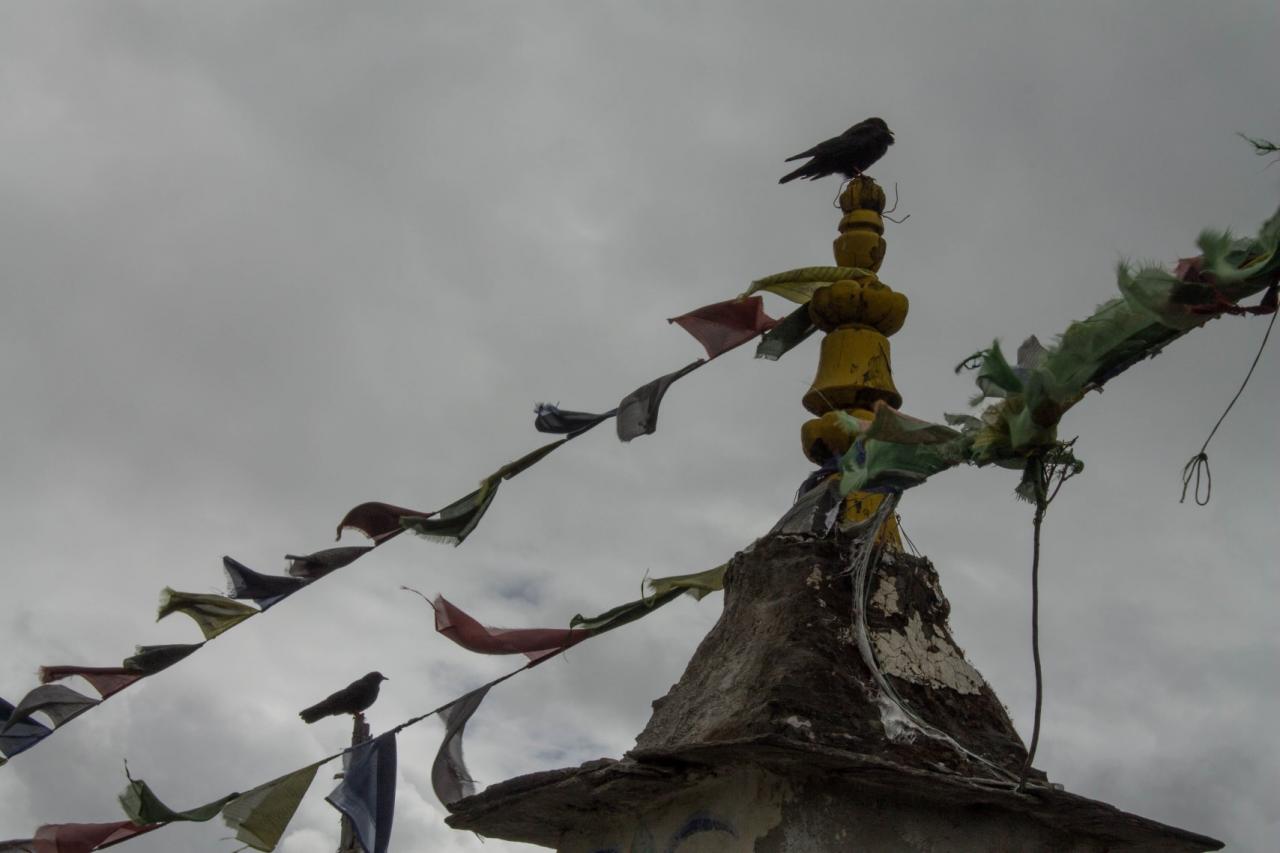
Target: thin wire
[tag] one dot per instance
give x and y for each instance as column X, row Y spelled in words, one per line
column 1192, row 470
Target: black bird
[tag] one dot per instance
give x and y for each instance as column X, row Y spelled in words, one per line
column 352, row 699
column 851, row 153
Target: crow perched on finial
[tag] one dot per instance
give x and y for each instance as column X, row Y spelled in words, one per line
column 851, row 153
column 355, row 698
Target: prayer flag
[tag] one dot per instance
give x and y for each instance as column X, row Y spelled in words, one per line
column 377, row 520
column 552, row 418
column 618, row 616
column 449, row 776
column 725, row 325
column 800, row 285
column 149, row 660
column 321, row 563
column 265, row 590
column 212, row 613
column 454, row 523
column 638, row 411
column 143, row 807
column 21, row 735
column 367, row 795
column 26, row 845
column 107, row 680
column 86, row 837
column 699, row 584
column 260, row 816
column 534, row 643
column 788, row 334
column 60, row 703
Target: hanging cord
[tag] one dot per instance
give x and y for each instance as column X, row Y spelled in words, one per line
column 1198, row 466
column 861, row 572
column 1042, row 470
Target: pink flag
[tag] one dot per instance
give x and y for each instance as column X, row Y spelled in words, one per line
column 107, row 680
column 533, row 643
column 85, row 837
column 725, row 325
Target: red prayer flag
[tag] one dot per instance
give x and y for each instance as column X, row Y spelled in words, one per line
column 533, row 643
column 725, row 325
column 86, row 837
column 377, row 520
column 107, row 680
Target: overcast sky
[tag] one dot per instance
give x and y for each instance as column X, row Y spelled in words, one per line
column 264, row 261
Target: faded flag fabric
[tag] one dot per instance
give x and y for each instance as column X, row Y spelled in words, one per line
column 551, row 418
column 143, row 807
column 638, row 411
column 725, row 325
column 148, row 660
column 790, row 332
column 260, row 816
column 107, row 680
column 814, row 513
column 616, row 617
column 449, row 776
column 16, row 737
column 263, row 590
column 212, row 613
column 14, row 845
column 85, row 837
column 534, row 643
column 367, row 795
column 321, row 563
column 60, row 703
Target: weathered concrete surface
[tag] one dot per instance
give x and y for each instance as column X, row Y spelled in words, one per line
column 783, row 660
column 779, row 795
column 777, row 738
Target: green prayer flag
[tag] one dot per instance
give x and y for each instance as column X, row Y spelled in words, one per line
column 143, row 807
column 622, row 614
column 788, row 334
column 260, row 816
column 213, row 613
column 527, row 461
column 799, row 285
column 454, row 523
column 699, row 584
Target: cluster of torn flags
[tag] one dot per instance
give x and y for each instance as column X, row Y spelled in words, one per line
column 890, row 453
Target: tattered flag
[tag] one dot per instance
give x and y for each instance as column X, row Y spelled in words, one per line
column 367, row 795
column 638, row 411
column 264, row 590
column 212, row 613
column 260, row 816
column 534, row 643
column 377, row 521
column 148, row 660
column 107, row 680
column 321, row 563
column 553, row 419
column 790, row 332
column 724, row 325
column 59, row 703
column 19, row 736
column 143, row 807
column 449, row 776
column 86, row 837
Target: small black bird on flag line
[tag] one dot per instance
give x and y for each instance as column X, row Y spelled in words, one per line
column 851, row 153
column 355, row 698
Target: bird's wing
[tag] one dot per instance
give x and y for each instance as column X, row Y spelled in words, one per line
column 817, row 150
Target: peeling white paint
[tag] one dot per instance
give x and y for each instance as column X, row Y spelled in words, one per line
column 934, row 662
column 886, row 595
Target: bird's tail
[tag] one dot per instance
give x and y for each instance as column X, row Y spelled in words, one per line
column 798, row 173
column 310, row 715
